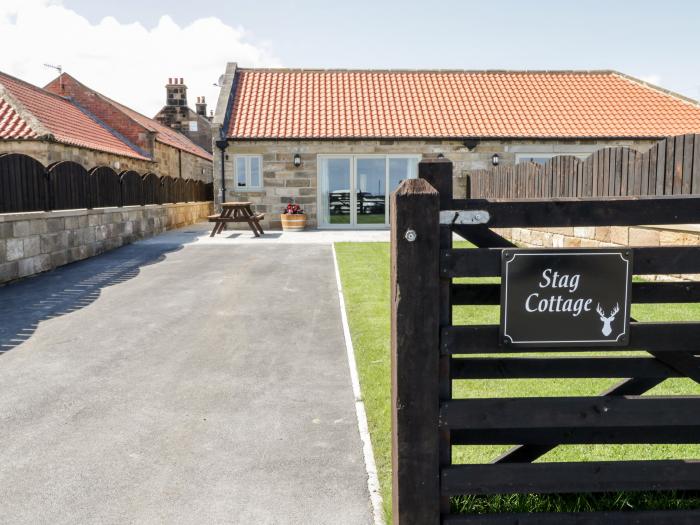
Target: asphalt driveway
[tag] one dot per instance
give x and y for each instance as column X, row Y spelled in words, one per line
column 175, row 381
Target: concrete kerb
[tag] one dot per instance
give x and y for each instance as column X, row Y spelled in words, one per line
column 367, row 450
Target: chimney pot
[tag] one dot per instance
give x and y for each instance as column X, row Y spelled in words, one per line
column 170, row 80
column 181, row 82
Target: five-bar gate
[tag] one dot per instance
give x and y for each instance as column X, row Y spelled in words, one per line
column 429, row 352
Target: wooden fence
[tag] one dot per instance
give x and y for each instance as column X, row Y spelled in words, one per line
column 669, row 167
column 429, row 352
column 26, row 185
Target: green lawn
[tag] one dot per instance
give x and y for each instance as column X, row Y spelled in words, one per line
column 364, row 271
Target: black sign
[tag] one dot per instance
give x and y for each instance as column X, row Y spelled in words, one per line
column 565, row 297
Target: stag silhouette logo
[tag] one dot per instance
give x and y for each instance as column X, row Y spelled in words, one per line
column 607, row 330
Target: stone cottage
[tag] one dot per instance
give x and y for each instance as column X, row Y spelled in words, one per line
column 339, row 141
column 67, row 120
column 176, row 114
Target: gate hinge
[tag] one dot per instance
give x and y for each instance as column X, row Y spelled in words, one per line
column 464, row 217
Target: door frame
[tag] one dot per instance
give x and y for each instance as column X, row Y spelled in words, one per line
column 353, row 195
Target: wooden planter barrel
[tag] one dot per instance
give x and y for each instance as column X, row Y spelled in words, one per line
column 293, row 222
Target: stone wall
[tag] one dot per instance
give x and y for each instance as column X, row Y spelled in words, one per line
column 608, row 236
column 175, row 163
column 168, row 158
column 36, row 242
column 282, row 181
column 50, row 152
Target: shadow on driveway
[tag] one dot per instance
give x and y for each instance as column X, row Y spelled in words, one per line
column 24, row 304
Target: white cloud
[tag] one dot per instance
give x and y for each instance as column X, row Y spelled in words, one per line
column 126, row 62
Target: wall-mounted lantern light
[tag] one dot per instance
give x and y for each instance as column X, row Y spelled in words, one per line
column 495, row 159
column 297, row 160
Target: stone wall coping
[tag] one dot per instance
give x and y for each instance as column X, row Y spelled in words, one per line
column 34, row 215
column 691, row 228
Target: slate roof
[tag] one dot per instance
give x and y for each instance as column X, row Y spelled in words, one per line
column 340, row 104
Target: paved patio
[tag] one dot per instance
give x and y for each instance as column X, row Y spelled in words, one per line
column 305, row 237
column 181, row 379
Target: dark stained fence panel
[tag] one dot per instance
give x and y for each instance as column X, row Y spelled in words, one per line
column 593, row 476
column 486, row 262
column 563, row 367
column 623, row 211
column 189, row 190
column 179, row 190
column 572, row 420
column 167, row 189
column 26, row 185
column 23, row 184
column 656, row 337
column 104, row 187
column 132, row 188
column 151, row 189
column 68, row 186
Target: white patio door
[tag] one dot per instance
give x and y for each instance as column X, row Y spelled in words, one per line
column 354, row 189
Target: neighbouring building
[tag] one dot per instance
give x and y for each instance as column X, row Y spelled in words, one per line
column 66, row 120
column 339, row 141
column 176, row 114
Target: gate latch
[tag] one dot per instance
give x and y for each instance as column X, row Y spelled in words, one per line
column 464, row 217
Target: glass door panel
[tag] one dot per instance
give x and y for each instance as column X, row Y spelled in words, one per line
column 370, row 190
column 335, row 191
column 400, row 169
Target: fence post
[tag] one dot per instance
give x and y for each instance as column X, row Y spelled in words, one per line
column 438, row 173
column 415, row 235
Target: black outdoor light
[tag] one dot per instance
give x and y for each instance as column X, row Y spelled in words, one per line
column 441, row 156
column 495, row 159
column 297, row 160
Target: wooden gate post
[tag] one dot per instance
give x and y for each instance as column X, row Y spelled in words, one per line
column 415, row 321
column 438, row 173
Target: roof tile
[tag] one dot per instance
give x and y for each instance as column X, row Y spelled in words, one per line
column 164, row 134
column 375, row 104
column 12, row 126
column 66, row 122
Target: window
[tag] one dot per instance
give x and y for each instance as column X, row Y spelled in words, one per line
column 248, row 172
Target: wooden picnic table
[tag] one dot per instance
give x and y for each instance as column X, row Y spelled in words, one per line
column 236, row 212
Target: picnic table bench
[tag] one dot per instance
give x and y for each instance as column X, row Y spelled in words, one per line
column 236, row 212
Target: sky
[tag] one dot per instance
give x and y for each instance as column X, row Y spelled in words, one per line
column 127, row 49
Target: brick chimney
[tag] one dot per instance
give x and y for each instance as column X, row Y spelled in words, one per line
column 201, row 106
column 176, row 92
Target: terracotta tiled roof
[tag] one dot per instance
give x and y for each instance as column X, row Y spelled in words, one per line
column 12, row 126
column 64, row 121
column 310, row 104
column 164, row 134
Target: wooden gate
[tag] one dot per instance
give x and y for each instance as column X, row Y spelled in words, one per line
column 429, row 352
